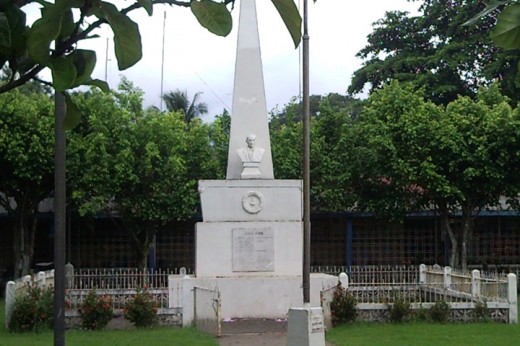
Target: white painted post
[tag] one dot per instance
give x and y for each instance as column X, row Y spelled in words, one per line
column 40, row 279
column 188, row 302
column 10, row 292
column 475, row 283
column 343, row 279
column 69, row 275
column 26, row 279
column 422, row 274
column 512, row 298
column 447, row 277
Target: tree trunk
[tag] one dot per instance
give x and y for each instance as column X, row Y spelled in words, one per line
column 23, row 246
column 445, row 223
column 467, row 231
column 141, row 240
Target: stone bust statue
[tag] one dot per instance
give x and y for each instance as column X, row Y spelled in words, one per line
column 251, row 153
column 251, row 156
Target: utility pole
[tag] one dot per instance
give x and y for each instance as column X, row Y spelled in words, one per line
column 306, row 164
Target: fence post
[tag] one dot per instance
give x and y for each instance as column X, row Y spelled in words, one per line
column 69, row 276
column 475, row 283
column 422, row 274
column 343, row 279
column 512, row 298
column 41, row 279
column 447, row 277
column 188, row 302
column 10, row 292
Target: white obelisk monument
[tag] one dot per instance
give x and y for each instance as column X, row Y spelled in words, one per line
column 249, row 245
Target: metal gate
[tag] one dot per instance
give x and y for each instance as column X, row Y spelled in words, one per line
column 207, row 314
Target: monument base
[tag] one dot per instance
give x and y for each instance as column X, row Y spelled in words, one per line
column 306, row 327
column 249, row 297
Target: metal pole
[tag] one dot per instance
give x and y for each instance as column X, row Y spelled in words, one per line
column 306, row 164
column 59, row 220
column 162, row 59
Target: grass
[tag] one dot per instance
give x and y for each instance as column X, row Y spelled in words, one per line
column 151, row 337
column 425, row 334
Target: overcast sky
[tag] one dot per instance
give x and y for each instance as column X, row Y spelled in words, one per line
column 198, row 61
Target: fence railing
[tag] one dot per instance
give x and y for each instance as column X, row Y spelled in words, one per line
column 376, row 287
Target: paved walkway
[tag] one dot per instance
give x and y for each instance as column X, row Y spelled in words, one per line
column 254, row 333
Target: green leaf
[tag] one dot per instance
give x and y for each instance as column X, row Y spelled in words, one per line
column 213, row 16
column 67, row 26
column 63, row 72
column 5, row 31
column 85, row 62
column 291, row 17
column 43, row 32
column 493, row 5
column 18, row 30
column 73, row 116
column 147, row 5
column 506, row 33
column 127, row 39
column 98, row 83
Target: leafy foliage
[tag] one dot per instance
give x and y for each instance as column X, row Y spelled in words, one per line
column 26, row 165
column 144, row 166
column 399, row 310
column 440, row 312
column 52, row 40
column 343, row 306
column 435, row 51
column 96, row 311
column 177, row 101
column 33, row 310
column 141, row 310
column 481, row 312
column 408, row 154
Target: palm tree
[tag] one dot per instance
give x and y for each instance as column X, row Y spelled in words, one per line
column 177, row 101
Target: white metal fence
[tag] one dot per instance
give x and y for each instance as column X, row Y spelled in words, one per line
column 375, row 288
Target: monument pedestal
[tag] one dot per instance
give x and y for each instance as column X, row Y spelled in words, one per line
column 268, row 297
column 249, row 248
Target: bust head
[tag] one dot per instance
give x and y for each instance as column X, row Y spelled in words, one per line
column 250, row 140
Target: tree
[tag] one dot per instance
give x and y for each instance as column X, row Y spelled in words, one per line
column 52, row 40
column 26, row 166
column 141, row 167
column 410, row 154
column 435, row 51
column 178, row 101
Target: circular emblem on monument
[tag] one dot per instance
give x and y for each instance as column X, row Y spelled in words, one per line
column 252, row 202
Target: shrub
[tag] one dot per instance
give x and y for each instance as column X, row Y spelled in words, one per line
column 343, row 307
column 96, row 311
column 141, row 310
column 33, row 310
column 481, row 312
column 440, row 312
column 399, row 311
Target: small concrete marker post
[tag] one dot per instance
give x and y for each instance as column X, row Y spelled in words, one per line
column 306, row 327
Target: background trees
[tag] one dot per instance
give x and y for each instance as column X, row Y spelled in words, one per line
column 178, row 101
column 26, row 166
column 410, row 154
column 434, row 50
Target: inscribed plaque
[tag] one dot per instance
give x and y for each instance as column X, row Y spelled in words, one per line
column 253, row 249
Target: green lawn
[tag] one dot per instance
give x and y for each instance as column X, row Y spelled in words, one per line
column 151, row 337
column 425, row 334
